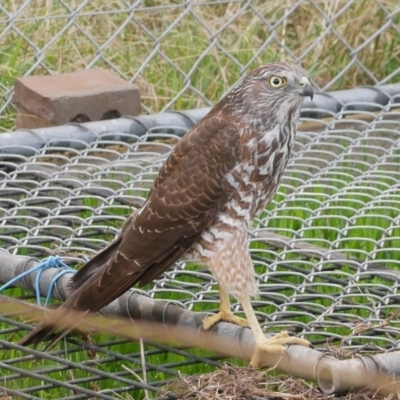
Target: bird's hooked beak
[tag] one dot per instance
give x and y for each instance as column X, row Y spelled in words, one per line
column 306, row 89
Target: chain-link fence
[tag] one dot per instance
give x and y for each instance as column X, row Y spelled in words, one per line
column 325, row 250
column 186, row 54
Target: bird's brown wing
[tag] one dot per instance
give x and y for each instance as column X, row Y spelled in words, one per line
column 187, row 195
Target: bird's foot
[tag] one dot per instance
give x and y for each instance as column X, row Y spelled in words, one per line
column 275, row 345
column 210, row 320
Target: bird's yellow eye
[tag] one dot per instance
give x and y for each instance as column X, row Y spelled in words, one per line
column 277, row 81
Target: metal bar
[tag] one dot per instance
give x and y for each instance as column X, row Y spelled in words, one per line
column 332, row 374
column 128, row 129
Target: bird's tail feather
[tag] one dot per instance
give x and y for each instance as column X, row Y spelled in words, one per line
column 54, row 328
column 42, row 333
column 35, row 336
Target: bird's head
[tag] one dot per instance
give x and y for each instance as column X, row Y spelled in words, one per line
column 270, row 93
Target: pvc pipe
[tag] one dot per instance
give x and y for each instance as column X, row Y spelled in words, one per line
column 374, row 372
column 77, row 136
column 333, row 376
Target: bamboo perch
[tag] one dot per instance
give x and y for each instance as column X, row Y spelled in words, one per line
column 333, row 376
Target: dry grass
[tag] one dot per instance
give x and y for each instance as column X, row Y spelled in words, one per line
column 238, row 383
column 187, row 57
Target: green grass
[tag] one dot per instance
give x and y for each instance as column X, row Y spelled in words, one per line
column 350, row 211
column 324, row 209
column 164, row 50
column 213, row 66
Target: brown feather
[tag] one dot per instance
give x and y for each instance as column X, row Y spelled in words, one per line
column 185, row 198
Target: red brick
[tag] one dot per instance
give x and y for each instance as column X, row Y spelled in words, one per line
column 89, row 95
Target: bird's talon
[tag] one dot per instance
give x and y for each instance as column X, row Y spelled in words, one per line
column 210, row 320
column 275, row 345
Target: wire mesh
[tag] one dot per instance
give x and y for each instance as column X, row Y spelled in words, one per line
column 325, row 249
column 178, row 52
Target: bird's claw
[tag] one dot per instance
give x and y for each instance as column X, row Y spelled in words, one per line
column 210, row 320
column 275, row 345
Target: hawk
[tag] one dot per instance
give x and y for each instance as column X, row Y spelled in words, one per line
column 218, row 176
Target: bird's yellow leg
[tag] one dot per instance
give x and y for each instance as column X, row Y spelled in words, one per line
column 224, row 314
column 273, row 345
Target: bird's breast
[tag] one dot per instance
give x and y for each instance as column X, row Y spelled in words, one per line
column 260, row 172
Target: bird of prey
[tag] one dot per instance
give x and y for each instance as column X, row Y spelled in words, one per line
column 218, row 176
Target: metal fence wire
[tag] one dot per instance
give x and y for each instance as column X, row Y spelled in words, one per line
column 325, row 249
column 194, row 43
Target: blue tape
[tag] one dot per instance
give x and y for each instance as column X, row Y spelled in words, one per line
column 51, row 262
